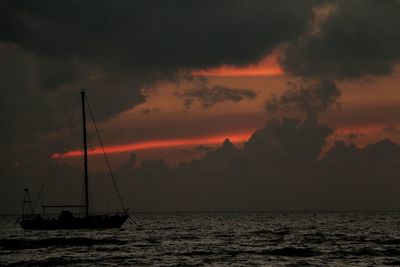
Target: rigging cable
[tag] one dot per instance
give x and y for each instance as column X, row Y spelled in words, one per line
column 105, row 155
column 53, row 162
column 109, row 166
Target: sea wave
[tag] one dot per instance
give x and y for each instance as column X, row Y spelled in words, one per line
column 18, row 244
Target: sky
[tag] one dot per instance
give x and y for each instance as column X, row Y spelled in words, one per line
column 203, row 105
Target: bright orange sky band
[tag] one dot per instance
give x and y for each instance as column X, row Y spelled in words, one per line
column 266, row 67
column 157, row 144
column 237, row 72
column 208, row 140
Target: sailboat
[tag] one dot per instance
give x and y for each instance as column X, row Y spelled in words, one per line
column 66, row 219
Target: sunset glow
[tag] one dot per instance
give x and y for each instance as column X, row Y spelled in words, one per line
column 157, row 144
column 210, row 140
column 266, row 67
column 268, row 132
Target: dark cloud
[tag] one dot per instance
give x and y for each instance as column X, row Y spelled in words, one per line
column 128, row 45
column 128, row 165
column 117, row 49
column 51, row 49
column 52, row 74
column 289, row 139
column 280, row 167
column 30, row 106
column 52, row 119
column 154, row 35
column 347, row 40
column 203, row 148
column 359, row 38
column 306, row 95
column 209, row 96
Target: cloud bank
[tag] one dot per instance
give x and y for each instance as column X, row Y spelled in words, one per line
column 209, row 96
column 309, row 96
column 279, row 167
column 357, row 39
column 51, row 49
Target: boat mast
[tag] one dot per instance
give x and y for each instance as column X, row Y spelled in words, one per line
column 85, row 161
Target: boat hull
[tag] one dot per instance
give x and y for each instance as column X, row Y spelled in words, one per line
column 90, row 222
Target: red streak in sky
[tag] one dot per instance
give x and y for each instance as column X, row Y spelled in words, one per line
column 156, row 144
column 238, row 72
column 266, row 67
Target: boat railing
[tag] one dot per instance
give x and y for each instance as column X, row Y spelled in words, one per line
column 48, row 216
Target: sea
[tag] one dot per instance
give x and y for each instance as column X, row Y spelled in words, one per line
column 289, row 238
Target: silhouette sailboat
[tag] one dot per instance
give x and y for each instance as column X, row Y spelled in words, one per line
column 67, row 220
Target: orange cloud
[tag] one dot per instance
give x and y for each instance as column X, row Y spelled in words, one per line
column 266, row 67
column 156, row 144
column 359, row 130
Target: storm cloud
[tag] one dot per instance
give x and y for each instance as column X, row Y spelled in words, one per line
column 279, row 167
column 348, row 40
column 51, row 49
column 154, row 35
column 356, row 40
column 309, row 96
column 209, row 96
column 117, row 49
column 29, row 107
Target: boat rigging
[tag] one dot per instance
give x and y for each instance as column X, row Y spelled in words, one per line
column 66, row 219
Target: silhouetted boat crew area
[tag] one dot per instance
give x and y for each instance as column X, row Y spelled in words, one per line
column 30, row 220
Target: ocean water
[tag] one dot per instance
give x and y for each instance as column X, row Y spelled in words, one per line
column 214, row 239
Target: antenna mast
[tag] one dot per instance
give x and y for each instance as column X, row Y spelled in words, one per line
column 85, row 160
